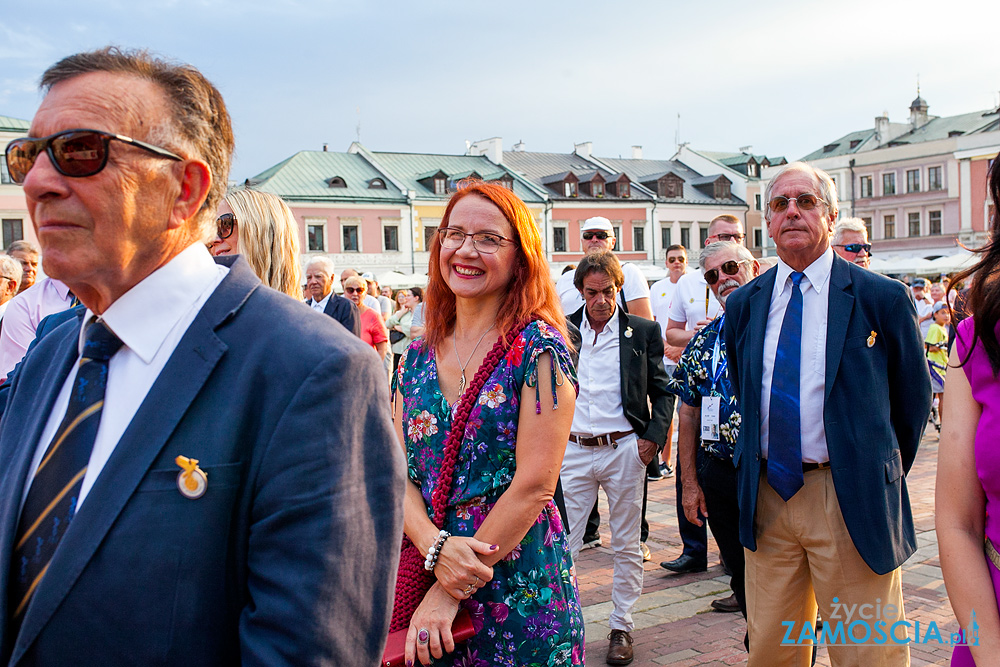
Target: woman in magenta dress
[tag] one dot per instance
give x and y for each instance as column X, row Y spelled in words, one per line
column 968, row 481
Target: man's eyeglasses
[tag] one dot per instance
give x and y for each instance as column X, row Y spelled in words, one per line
column 484, row 242
column 730, row 268
column 225, row 224
column 355, row 290
column 805, row 202
column 738, row 238
column 74, row 153
column 676, row 260
column 855, row 247
column 589, row 235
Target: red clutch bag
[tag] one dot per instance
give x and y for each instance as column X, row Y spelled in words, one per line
column 395, row 648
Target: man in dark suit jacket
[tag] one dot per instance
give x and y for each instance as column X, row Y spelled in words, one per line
column 614, row 434
column 173, row 489
column 319, row 285
column 834, row 393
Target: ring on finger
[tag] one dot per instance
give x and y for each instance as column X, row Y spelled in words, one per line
column 423, row 636
column 470, row 589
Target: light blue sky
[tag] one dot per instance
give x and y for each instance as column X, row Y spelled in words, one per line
column 426, row 76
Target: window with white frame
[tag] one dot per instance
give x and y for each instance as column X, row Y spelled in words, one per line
column 351, row 234
column 390, row 238
column 430, row 231
column 559, row 238
column 934, row 178
column 934, row 222
column 865, row 189
column 913, row 223
column 913, row 180
column 889, row 227
column 639, row 239
column 13, row 230
column 315, row 234
column 889, row 184
column 868, row 227
column 756, row 202
column 617, row 227
column 666, row 236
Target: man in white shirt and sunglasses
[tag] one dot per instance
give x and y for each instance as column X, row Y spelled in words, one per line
column 850, row 241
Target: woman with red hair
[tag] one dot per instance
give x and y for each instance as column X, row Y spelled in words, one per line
column 483, row 408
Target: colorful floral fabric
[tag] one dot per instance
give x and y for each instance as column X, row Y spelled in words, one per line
column 529, row 614
column 703, row 370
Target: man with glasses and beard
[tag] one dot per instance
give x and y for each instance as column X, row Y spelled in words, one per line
column 709, row 417
column 828, row 371
column 850, row 241
column 197, row 470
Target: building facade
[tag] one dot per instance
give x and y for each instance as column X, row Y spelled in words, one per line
column 13, row 207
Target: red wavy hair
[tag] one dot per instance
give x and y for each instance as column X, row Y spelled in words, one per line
column 531, row 293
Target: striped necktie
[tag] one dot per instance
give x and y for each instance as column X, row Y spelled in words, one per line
column 55, row 488
column 784, row 449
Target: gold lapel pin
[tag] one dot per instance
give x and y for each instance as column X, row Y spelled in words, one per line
column 192, row 481
column 871, row 339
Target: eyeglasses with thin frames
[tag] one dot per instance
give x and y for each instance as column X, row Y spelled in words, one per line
column 73, row 153
column 484, row 242
column 805, row 201
column 738, row 238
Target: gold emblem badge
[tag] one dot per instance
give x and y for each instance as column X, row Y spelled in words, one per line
column 871, row 339
column 628, row 332
column 192, row 481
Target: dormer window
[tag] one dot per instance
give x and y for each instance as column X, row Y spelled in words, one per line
column 624, row 190
column 569, row 189
column 336, row 182
column 440, row 186
column 598, row 188
column 722, row 189
column 673, row 187
column 376, row 184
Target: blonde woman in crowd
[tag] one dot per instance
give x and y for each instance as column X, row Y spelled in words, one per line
column 261, row 227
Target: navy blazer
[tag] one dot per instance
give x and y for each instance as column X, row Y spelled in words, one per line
column 643, row 376
column 344, row 311
column 876, row 406
column 289, row 557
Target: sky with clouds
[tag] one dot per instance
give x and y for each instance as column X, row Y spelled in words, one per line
column 783, row 77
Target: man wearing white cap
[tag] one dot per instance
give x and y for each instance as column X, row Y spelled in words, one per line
column 598, row 234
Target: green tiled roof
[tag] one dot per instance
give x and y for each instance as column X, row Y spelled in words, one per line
column 8, row 124
column 408, row 168
column 306, row 175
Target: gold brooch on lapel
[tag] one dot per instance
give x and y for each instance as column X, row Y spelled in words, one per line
column 628, row 332
column 871, row 339
column 192, row 481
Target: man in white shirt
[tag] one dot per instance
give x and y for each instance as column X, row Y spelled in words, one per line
column 850, row 241
column 208, row 454
column 614, row 434
column 828, row 371
column 24, row 312
column 924, row 305
column 10, row 279
column 598, row 234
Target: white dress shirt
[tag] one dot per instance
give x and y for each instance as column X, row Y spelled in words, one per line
column 24, row 312
column 599, row 407
column 693, row 300
column 635, row 287
column 320, row 306
column 150, row 319
column 815, row 289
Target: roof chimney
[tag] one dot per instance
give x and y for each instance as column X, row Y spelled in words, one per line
column 882, row 128
column 519, row 147
column 583, row 149
column 492, row 148
column 325, row 146
column 637, row 152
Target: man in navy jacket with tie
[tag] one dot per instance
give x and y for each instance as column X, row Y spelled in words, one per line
column 826, row 361
column 173, row 489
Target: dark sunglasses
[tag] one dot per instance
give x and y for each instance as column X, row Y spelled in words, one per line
column 805, row 202
column 589, row 235
column 225, row 224
column 855, row 247
column 355, row 290
column 730, row 268
column 74, row 153
column 674, row 260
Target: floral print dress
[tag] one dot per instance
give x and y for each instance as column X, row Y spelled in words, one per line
column 529, row 614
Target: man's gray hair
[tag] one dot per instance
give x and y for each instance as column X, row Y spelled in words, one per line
column 24, row 246
column 825, row 185
column 10, row 268
column 848, row 225
column 713, row 249
column 323, row 261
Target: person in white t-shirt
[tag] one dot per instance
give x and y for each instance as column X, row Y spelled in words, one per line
column 598, row 234
column 660, row 295
column 694, row 305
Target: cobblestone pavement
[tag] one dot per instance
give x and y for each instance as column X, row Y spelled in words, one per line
column 675, row 624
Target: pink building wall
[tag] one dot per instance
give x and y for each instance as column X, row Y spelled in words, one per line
column 371, row 226
column 575, row 218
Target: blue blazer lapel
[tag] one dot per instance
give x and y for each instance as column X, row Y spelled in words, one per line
column 180, row 381
column 45, row 387
column 760, row 305
column 838, row 316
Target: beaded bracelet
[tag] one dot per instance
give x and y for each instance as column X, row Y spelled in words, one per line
column 432, row 554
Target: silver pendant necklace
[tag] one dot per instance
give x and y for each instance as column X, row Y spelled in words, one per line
column 462, row 382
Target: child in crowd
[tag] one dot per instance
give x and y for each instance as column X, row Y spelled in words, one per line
column 936, row 344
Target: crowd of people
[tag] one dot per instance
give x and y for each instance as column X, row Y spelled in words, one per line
column 200, row 466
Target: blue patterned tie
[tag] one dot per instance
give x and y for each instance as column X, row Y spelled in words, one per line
column 784, row 450
column 55, row 488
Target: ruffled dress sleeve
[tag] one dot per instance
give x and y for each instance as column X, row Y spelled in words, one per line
column 537, row 339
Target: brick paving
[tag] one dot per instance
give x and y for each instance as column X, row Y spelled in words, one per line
column 675, row 624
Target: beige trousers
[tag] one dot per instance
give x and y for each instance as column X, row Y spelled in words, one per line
column 806, row 559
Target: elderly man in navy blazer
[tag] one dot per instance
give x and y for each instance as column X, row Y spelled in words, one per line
column 834, row 394
column 319, row 286
column 173, row 490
